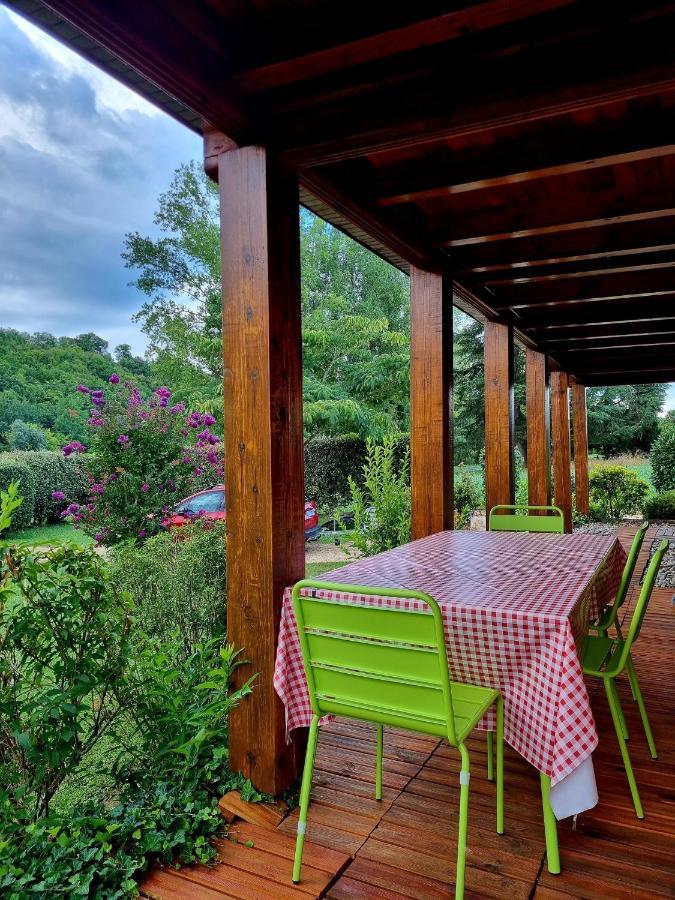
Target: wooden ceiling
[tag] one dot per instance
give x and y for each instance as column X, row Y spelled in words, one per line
column 529, row 145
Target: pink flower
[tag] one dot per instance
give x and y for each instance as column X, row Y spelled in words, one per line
column 97, row 488
column 58, row 495
column 145, row 487
column 141, row 534
column 114, row 379
column 123, row 439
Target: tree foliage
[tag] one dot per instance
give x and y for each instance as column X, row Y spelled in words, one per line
column 38, row 377
column 623, row 419
column 663, row 457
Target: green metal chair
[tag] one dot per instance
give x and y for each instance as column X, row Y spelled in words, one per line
column 553, row 523
column 606, row 658
column 388, row 666
column 608, row 619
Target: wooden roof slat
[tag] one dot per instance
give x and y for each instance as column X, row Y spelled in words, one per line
column 439, row 29
column 650, row 283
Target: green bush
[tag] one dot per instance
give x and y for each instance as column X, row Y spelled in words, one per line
column 468, row 497
column 662, row 458
column 13, row 469
column 331, row 461
column 382, row 505
column 660, row 506
column 178, row 581
column 25, row 436
column 52, row 471
column 615, row 492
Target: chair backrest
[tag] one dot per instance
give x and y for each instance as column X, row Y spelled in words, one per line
column 642, row 602
column 552, row 522
column 376, row 663
column 629, row 568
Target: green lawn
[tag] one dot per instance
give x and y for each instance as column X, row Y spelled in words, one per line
column 316, row 570
column 51, row 535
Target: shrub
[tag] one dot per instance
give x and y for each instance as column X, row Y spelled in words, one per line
column 147, row 455
column 178, row 580
column 662, row 458
column 63, row 647
column 52, row 472
column 468, row 497
column 25, row 436
column 615, row 492
column 331, row 461
column 660, row 506
column 12, row 469
column 382, row 505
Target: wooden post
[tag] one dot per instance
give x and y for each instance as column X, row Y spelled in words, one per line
column 538, row 429
column 499, row 476
column 431, row 402
column 560, row 436
column 264, row 477
column 579, row 418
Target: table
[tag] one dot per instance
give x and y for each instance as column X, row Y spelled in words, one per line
column 515, row 607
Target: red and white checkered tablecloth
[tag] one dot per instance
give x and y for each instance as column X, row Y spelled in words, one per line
column 515, row 607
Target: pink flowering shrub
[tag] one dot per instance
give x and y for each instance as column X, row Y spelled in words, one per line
column 145, row 455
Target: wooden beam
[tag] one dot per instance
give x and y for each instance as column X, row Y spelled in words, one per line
column 643, row 283
column 644, row 376
column 499, row 414
column 262, row 352
column 620, row 240
column 555, row 152
column 538, row 429
column 431, row 402
column 580, row 422
column 610, row 205
column 599, row 335
column 610, row 311
column 391, row 42
column 560, row 437
column 624, row 343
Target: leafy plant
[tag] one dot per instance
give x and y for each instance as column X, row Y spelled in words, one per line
column 615, row 492
column 663, row 458
column 63, row 648
column 660, row 506
column 178, row 581
column 468, row 497
column 382, row 505
column 51, row 473
column 10, row 501
column 13, row 470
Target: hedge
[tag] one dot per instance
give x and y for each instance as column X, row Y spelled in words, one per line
column 14, row 470
column 660, row 506
column 41, row 472
column 662, row 458
column 329, row 461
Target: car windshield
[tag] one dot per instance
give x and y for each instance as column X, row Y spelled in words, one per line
column 213, row 501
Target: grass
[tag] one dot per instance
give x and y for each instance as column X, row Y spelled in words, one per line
column 51, row 536
column 633, row 461
column 316, row 570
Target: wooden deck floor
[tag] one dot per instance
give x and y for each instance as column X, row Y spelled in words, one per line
column 404, row 847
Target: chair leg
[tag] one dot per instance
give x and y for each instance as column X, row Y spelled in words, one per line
column 464, row 777
column 304, row 797
column 550, row 826
column 378, row 762
column 619, row 708
column 619, row 634
column 616, row 718
column 490, row 757
column 637, row 693
column 500, row 765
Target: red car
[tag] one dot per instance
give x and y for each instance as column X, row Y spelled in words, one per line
column 210, row 504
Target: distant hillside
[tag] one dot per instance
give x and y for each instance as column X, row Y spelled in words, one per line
column 39, row 374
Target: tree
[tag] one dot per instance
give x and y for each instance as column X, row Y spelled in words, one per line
column 355, row 311
column 624, row 419
column 91, row 343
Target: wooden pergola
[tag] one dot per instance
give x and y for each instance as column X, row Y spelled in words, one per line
column 515, row 157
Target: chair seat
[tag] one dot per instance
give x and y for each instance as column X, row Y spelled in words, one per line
column 597, row 653
column 470, row 703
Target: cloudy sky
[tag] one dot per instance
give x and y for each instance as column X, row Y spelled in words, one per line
column 82, row 161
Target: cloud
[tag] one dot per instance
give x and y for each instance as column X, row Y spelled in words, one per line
column 82, row 161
